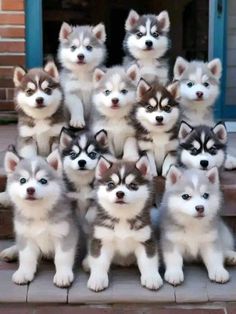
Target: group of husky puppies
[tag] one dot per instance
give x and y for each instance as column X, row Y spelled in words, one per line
column 90, row 141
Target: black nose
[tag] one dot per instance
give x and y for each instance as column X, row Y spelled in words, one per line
column 199, row 209
column 204, row 163
column 115, row 101
column 120, row 194
column 30, row 191
column 39, row 100
column 82, row 163
column 159, row 118
column 80, row 57
column 199, row 94
column 149, row 43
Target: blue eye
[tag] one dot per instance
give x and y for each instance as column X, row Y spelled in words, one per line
column 190, row 84
column 92, row 155
column 139, row 34
column 73, row 48
column 110, row 185
column 186, row 197
column 43, row 181
column 107, row 92
column 133, row 186
column 89, row 48
column 73, row 155
column 205, row 195
column 22, row 181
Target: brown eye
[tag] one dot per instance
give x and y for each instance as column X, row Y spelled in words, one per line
column 29, row 92
column 167, row 109
column 139, row 34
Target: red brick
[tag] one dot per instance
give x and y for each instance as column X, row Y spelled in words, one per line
column 13, row 32
column 13, row 309
column 231, row 309
column 3, row 94
column 13, row 5
column 6, row 72
column 12, row 60
column 9, row 93
column 6, row 82
column 12, row 19
column 7, row 105
column 12, row 46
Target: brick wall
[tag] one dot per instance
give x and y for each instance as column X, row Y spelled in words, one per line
column 12, row 47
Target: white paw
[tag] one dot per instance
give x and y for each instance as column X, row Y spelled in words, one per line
column 98, row 282
column 9, row 255
column 230, row 258
column 77, row 123
column 230, row 162
column 63, row 278
column 85, row 265
column 152, row 281
column 21, row 277
column 174, row 276
column 219, row 274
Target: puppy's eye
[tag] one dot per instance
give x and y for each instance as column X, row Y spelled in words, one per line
column 107, row 92
column 139, row 34
column 167, row 109
column 22, row 180
column 190, row 84
column 124, row 91
column 194, row 151
column 110, row 185
column 212, row 150
column 205, row 195
column 155, row 34
column 89, row 48
column 29, row 92
column 72, row 48
column 206, row 84
column 133, row 186
column 149, row 108
column 48, row 90
column 43, row 181
column 73, row 154
column 92, row 155
column 186, row 197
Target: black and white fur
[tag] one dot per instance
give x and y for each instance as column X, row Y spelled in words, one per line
column 122, row 228
column 146, row 42
column 81, row 50
column 191, row 226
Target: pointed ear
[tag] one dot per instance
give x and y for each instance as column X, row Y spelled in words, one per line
column 213, row 175
column 133, row 73
column 173, row 88
column 215, row 67
column 51, row 69
column 97, row 76
column 131, row 20
column 65, row 31
column 143, row 88
column 173, row 176
column 184, row 130
column 221, row 132
column 164, row 21
column 100, row 32
column 101, row 138
column 144, row 167
column 18, row 75
column 54, row 160
column 102, row 167
column 11, row 161
column 65, row 139
column 180, row 66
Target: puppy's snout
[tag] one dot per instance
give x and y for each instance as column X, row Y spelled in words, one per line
column 204, row 163
column 115, row 101
column 199, row 209
column 39, row 100
column 80, row 57
column 149, row 43
column 120, row 194
column 199, row 94
column 159, row 119
column 82, row 163
column 30, row 191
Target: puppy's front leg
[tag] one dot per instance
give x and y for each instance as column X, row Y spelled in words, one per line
column 174, row 266
column 76, row 109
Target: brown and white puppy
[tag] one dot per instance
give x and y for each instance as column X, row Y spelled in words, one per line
column 38, row 99
column 156, row 117
column 122, row 228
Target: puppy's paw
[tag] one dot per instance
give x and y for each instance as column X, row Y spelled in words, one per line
column 230, row 162
column 21, row 277
column 152, row 281
column 85, row 265
column 63, row 278
column 230, row 258
column 219, row 275
column 78, row 123
column 174, row 276
column 98, row 282
column 10, row 254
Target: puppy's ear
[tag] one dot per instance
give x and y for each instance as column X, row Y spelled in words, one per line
column 102, row 167
column 101, row 138
column 180, row 66
column 11, row 161
column 52, row 70
column 213, row 175
column 66, row 138
column 132, row 20
column 54, row 160
column 133, row 73
column 100, row 32
column 173, row 88
column 144, row 167
column 184, row 130
column 65, row 31
column 221, row 132
column 142, row 89
column 18, row 75
column 97, row 76
column 173, row 176
column 215, row 67
column 164, row 21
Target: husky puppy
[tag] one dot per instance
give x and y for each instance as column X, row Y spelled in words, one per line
column 43, row 219
column 81, row 50
column 199, row 84
column 202, row 147
column 191, row 225
column 113, row 98
column 38, row 98
column 146, row 42
column 155, row 118
column 122, row 227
